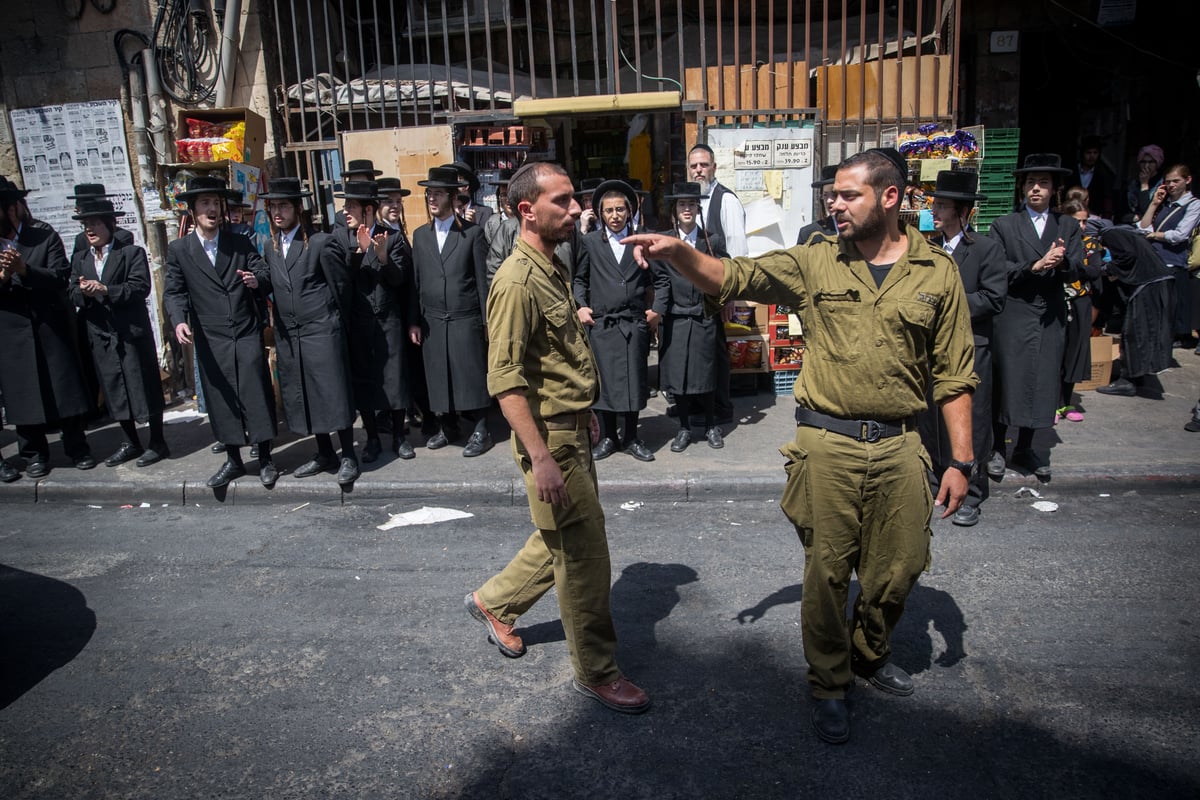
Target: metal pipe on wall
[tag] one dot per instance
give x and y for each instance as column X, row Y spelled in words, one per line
column 229, row 51
column 157, row 104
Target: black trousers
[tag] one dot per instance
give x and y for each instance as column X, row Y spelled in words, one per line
column 33, row 444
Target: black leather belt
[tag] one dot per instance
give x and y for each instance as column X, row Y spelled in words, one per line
column 860, row 430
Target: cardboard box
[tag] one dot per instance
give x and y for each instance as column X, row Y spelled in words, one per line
column 256, row 128
column 1102, row 364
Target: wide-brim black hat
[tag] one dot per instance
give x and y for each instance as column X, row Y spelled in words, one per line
column 587, row 186
column 441, row 178
column 205, row 184
column 466, row 175
column 1042, row 162
column 285, row 189
column 10, row 190
column 828, row 174
column 95, row 207
column 392, row 186
column 957, row 185
column 361, row 166
column 615, row 186
column 684, row 190
column 365, row 191
column 88, row 191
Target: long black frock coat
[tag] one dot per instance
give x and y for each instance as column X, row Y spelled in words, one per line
column 40, row 371
column 688, row 339
column 619, row 295
column 1030, row 334
column 984, row 272
column 452, row 292
column 224, row 317
column 380, row 310
column 309, row 293
column 119, row 330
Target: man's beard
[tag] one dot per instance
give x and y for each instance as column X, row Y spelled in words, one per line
column 705, row 187
column 874, row 225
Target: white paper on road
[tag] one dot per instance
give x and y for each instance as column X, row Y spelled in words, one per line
column 1045, row 505
column 426, row 515
column 186, row 415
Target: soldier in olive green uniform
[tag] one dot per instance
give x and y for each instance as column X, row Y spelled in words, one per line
column 884, row 314
column 541, row 369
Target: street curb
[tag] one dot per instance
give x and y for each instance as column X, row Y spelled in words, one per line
column 700, row 488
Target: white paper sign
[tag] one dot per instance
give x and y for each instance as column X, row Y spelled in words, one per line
column 791, row 153
column 755, row 154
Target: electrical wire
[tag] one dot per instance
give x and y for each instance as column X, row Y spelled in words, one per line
column 185, row 51
column 648, row 77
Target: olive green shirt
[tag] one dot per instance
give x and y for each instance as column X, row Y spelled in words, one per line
column 536, row 341
column 870, row 352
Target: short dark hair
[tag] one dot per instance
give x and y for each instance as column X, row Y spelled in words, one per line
column 882, row 172
column 526, row 183
column 1072, row 206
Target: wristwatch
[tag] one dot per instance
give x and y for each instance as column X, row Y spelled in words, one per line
column 965, row 467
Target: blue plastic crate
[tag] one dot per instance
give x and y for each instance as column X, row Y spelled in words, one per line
column 785, row 379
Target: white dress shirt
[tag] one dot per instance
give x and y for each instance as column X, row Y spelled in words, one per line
column 690, row 238
column 442, row 228
column 210, row 246
column 1039, row 220
column 101, row 258
column 614, row 242
column 733, row 222
column 285, row 239
column 952, row 243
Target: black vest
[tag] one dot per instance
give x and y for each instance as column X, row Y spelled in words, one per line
column 712, row 222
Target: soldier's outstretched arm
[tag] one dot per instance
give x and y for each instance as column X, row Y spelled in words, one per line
column 706, row 272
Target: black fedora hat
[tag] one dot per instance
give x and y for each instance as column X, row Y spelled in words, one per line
column 615, row 186
column 392, row 186
column 207, row 184
column 285, row 189
column 828, row 173
column 636, row 183
column 957, row 185
column 365, row 191
column 95, row 207
column 1042, row 162
column 466, row 175
column 88, row 191
column 361, row 166
column 441, row 178
column 10, row 189
column 588, row 185
column 684, row 190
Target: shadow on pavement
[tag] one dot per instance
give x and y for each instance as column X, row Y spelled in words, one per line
column 44, row 624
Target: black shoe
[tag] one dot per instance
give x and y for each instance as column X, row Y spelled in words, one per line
column 966, row 516
column 831, row 720
column 402, row 448
column 1192, row 425
column 318, row 463
column 637, row 448
column 715, row 440
column 154, row 454
column 217, row 448
column 1028, row 460
column 8, row 473
column 85, row 462
column 681, row 440
column 348, row 473
column 126, row 452
column 254, row 451
column 1120, row 387
column 437, row 441
column 229, row 471
column 479, row 443
column 673, row 410
column 268, row 473
column 37, row 469
column 891, row 679
column 996, row 465
column 604, row 449
column 371, row 451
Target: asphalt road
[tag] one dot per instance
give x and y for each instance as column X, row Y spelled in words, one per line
column 302, row 653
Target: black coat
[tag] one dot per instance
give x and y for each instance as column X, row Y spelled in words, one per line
column 689, row 340
column 1145, row 284
column 119, row 331
column 40, row 373
column 619, row 295
column 452, row 292
column 224, row 317
column 308, row 288
column 121, row 236
column 381, row 307
column 826, row 226
column 1030, row 334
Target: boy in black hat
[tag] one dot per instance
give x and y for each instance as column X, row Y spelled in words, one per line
column 94, row 191
column 825, row 224
column 468, row 181
column 211, row 297
column 985, row 278
column 1043, row 250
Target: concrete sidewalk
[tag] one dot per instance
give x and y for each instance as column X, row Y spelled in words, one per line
column 1121, row 441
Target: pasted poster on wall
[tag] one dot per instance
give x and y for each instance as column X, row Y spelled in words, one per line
column 60, row 146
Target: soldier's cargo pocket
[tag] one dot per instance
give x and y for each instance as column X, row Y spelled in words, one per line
column 796, row 502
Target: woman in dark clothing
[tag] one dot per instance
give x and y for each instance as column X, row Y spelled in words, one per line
column 110, row 282
column 1077, row 356
column 688, row 337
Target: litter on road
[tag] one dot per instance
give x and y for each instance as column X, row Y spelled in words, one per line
column 425, row 515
